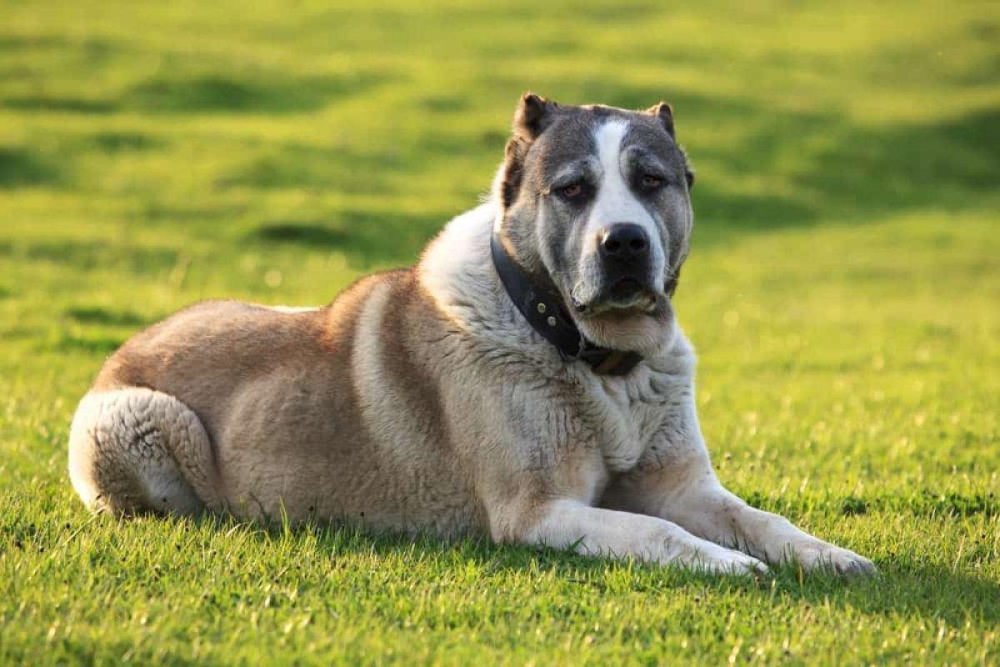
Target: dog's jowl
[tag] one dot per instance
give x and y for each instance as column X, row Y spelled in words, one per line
column 527, row 379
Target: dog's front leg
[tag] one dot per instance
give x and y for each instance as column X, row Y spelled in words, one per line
column 571, row 524
column 689, row 494
column 675, row 481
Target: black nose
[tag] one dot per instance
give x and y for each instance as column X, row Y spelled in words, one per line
column 624, row 241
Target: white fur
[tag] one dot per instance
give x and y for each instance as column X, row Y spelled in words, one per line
column 152, row 436
column 457, row 270
column 603, row 532
column 378, row 398
column 458, row 255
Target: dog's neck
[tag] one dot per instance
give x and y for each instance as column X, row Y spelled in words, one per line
column 542, row 306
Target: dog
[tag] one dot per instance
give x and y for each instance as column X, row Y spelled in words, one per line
column 526, row 380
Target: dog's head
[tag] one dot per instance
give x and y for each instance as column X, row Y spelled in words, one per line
column 595, row 201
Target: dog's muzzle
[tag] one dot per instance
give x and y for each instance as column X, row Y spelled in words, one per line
column 624, row 251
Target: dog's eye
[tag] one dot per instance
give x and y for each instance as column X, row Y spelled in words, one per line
column 651, row 182
column 573, row 191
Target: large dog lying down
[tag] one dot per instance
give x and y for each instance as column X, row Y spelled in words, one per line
column 527, row 379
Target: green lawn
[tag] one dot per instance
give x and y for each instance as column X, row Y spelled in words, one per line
column 843, row 291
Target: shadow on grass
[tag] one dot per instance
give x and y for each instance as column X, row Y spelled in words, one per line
column 89, row 255
column 98, row 331
column 313, row 234
column 857, row 175
column 366, row 238
column 338, row 168
column 121, row 142
column 187, row 84
column 20, row 43
column 104, row 316
column 103, row 332
column 931, row 592
column 22, row 168
column 444, row 103
column 209, row 93
column 58, row 104
column 245, row 92
column 94, row 345
column 951, row 163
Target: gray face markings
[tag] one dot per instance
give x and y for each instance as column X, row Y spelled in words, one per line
column 547, row 223
column 592, row 167
column 649, row 151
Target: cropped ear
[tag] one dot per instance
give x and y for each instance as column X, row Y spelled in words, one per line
column 665, row 113
column 534, row 113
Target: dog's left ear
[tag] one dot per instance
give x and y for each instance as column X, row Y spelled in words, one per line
column 665, row 114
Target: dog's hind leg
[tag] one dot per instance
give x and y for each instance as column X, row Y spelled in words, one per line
column 135, row 450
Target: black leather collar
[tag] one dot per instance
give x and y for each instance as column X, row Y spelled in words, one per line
column 544, row 309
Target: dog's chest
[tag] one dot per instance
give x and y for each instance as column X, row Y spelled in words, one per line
column 629, row 417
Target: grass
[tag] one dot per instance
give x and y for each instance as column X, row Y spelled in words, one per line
column 843, row 292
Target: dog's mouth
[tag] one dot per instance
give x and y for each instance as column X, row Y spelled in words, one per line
column 625, row 289
column 625, row 296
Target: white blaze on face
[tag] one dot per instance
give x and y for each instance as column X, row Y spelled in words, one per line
column 615, row 200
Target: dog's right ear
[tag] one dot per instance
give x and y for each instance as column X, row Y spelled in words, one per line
column 534, row 113
column 665, row 113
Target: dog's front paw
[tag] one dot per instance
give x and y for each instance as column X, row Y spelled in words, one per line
column 719, row 560
column 822, row 555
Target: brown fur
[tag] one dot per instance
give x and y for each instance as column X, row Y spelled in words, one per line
column 285, row 383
